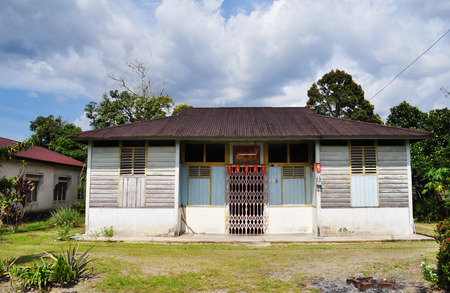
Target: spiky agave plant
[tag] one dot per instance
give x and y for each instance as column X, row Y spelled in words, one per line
column 77, row 263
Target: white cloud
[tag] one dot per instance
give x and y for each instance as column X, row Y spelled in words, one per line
column 83, row 122
column 32, row 95
column 255, row 53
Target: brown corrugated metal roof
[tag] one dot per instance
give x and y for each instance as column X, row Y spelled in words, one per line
column 257, row 122
column 41, row 154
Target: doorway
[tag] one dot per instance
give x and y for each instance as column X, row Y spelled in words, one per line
column 246, row 199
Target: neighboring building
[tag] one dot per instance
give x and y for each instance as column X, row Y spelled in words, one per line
column 54, row 176
column 249, row 171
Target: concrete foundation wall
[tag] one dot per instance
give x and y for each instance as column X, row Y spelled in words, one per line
column 205, row 219
column 365, row 221
column 133, row 221
column 292, row 220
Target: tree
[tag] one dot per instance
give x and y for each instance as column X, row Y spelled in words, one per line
column 50, row 133
column 179, row 107
column 125, row 107
column 337, row 95
column 406, row 116
column 8, row 152
column 138, row 101
column 430, row 159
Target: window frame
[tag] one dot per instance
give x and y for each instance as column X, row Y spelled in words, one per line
column 60, row 189
column 133, row 161
column 204, row 162
column 289, row 163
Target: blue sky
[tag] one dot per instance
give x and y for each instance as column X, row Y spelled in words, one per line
column 55, row 55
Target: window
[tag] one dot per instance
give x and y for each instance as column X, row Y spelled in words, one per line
column 363, row 160
column 364, row 181
column 132, row 161
column 204, row 153
column 32, row 195
column 59, row 194
column 193, row 153
column 288, row 153
column 278, row 153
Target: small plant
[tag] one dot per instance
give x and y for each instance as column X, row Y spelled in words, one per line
column 78, row 264
column 107, row 232
column 34, row 276
column 61, row 271
column 5, row 267
column 65, row 218
column 429, row 272
column 63, row 232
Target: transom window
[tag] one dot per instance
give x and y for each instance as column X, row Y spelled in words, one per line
column 204, row 153
column 288, row 153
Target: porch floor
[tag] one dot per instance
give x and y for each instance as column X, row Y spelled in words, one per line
column 258, row 240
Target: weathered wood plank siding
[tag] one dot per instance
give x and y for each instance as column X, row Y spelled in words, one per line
column 104, row 177
column 132, row 192
column 335, row 177
column 393, row 176
column 160, row 177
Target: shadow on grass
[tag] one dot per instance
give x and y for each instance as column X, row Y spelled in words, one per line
column 28, row 258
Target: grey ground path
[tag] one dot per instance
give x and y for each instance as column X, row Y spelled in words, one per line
column 263, row 239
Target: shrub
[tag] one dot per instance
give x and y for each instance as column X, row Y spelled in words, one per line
column 34, row 276
column 78, row 264
column 107, row 232
column 442, row 235
column 66, row 216
column 61, row 271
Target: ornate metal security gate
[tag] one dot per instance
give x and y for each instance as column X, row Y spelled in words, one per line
column 247, row 199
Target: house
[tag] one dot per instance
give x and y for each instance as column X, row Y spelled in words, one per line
column 54, row 176
column 249, row 171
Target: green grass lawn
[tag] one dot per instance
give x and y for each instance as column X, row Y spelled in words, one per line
column 140, row 267
column 425, row 228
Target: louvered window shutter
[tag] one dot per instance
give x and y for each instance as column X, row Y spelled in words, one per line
column 126, row 162
column 370, row 160
column 357, row 160
column 139, row 161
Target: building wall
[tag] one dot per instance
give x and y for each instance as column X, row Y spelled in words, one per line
column 390, row 211
column 151, row 208
column 365, row 221
column 133, row 221
column 393, row 176
column 48, row 177
column 335, row 177
column 284, row 220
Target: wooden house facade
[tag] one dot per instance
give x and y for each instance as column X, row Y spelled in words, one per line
column 249, row 171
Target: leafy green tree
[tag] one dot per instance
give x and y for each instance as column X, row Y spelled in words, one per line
column 179, row 107
column 138, row 101
column 430, row 159
column 125, row 107
column 50, row 133
column 336, row 94
column 8, row 152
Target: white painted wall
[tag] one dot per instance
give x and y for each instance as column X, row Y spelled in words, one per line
column 133, row 221
column 364, row 221
column 47, row 173
column 205, row 219
column 284, row 220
